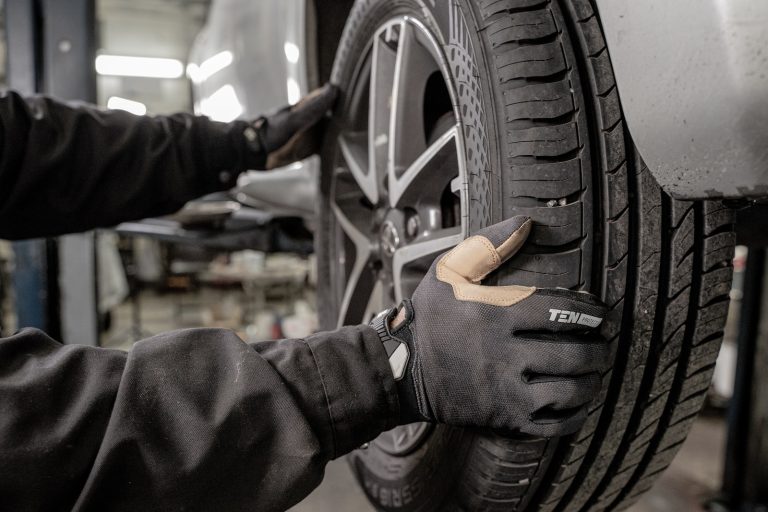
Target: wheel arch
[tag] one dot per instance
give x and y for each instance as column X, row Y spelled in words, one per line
column 694, row 91
column 330, row 18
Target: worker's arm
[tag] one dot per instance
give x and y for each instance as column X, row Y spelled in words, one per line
column 66, row 168
column 189, row 420
column 198, row 420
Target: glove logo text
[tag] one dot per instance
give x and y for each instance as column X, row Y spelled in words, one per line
column 572, row 317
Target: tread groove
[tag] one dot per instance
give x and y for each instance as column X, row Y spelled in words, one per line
column 677, row 385
column 647, row 382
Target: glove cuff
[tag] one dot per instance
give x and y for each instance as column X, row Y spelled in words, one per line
column 255, row 144
column 398, row 352
column 398, row 344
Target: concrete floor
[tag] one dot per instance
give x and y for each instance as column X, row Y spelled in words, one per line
column 339, row 492
column 693, row 477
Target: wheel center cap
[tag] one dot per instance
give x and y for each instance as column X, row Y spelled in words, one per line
column 389, row 238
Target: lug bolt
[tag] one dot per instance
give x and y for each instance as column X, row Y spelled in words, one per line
column 412, row 226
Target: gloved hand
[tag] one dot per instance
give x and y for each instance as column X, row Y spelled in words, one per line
column 507, row 357
column 292, row 133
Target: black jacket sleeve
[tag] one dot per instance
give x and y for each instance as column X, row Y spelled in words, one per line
column 66, row 168
column 189, row 420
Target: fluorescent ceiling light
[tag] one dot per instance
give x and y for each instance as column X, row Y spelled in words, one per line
column 294, row 93
column 134, row 107
column 222, row 105
column 148, row 67
column 292, row 52
column 209, row 67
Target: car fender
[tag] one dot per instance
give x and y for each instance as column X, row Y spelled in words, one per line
column 693, row 80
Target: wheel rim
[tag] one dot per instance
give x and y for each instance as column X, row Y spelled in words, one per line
column 399, row 189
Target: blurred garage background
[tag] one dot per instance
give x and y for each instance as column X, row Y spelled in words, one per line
column 245, row 261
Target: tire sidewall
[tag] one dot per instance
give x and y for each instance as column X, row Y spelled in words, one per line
column 425, row 478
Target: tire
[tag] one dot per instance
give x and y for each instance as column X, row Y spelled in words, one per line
column 544, row 136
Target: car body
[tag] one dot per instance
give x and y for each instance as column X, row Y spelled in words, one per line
column 693, row 82
column 227, row 67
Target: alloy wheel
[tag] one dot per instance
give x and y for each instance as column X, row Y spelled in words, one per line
column 399, row 189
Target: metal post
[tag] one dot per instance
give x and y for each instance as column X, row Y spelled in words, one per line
column 51, row 50
column 756, row 474
column 68, row 59
column 34, row 278
column 746, row 459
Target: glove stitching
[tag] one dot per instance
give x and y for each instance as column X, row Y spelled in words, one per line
column 494, row 257
column 496, row 260
column 416, row 374
column 485, row 300
column 547, row 422
column 565, row 379
column 424, row 407
column 479, row 273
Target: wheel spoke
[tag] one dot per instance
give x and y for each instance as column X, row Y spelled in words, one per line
column 383, row 61
column 413, row 67
column 355, row 159
column 376, row 302
column 400, row 437
column 401, row 152
column 355, row 285
column 437, row 156
column 439, row 242
column 456, row 185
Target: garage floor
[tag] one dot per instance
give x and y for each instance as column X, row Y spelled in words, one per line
column 693, row 477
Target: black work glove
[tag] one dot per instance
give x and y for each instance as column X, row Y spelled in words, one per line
column 291, row 134
column 507, row 357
